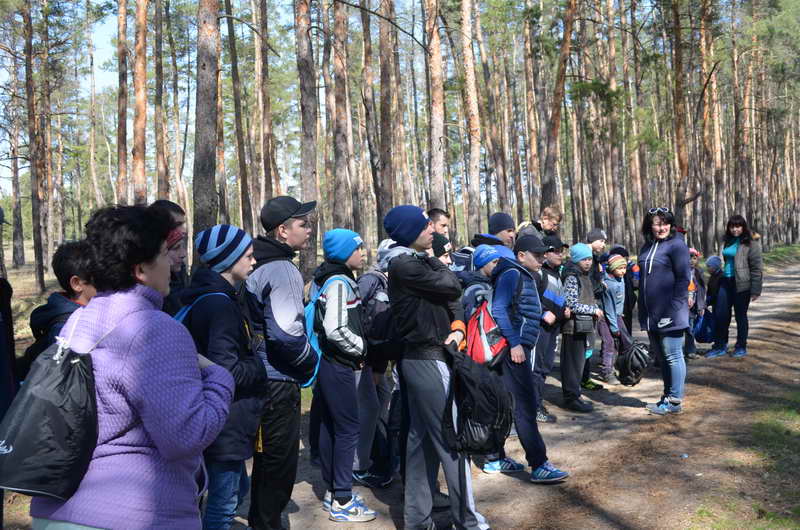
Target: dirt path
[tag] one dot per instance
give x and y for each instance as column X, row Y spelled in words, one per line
column 628, row 468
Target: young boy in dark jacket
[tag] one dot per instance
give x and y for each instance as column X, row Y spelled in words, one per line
column 220, row 333
column 517, row 310
column 71, row 267
column 551, row 292
column 485, row 259
column 612, row 326
column 338, row 322
column 580, row 299
column 424, row 296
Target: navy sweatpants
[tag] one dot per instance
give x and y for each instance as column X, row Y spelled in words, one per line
column 339, row 428
column 543, row 361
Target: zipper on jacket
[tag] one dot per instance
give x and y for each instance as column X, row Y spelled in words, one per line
column 651, row 257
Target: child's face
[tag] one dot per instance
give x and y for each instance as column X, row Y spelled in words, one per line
column 598, row 246
column 529, row 260
column 620, row 272
column 585, row 264
column 356, row 260
column 446, row 259
column 693, row 260
column 555, row 257
column 488, row 269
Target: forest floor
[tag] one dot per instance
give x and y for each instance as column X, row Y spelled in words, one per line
column 730, row 460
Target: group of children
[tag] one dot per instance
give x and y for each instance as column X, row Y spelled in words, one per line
column 382, row 376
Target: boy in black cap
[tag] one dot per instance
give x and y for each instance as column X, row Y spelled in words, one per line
column 275, row 299
column 441, row 248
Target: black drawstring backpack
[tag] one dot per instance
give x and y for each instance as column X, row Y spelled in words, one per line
column 632, row 363
column 49, row 434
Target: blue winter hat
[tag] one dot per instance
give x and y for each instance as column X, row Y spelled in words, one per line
column 221, row 246
column 500, row 221
column 505, row 252
column 339, row 243
column 714, row 263
column 405, row 223
column 483, row 254
column 579, row 252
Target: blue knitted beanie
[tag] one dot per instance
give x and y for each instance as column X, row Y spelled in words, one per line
column 405, row 223
column 221, row 246
column 579, row 252
column 483, row 254
column 339, row 244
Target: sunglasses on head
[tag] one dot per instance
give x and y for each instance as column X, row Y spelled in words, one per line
column 654, row 211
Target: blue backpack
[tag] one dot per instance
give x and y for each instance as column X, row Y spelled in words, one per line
column 310, row 312
column 180, row 316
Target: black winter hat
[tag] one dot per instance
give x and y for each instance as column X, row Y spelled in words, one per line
column 500, row 221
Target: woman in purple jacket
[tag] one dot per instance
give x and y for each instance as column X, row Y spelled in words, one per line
column 664, row 302
column 159, row 403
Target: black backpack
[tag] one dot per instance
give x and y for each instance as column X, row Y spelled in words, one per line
column 485, row 408
column 632, row 363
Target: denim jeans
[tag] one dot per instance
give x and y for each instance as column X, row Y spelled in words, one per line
column 227, row 486
column 729, row 300
column 669, row 347
column 690, row 346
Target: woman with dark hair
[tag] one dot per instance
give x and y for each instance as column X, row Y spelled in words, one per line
column 664, row 303
column 159, row 403
column 740, row 284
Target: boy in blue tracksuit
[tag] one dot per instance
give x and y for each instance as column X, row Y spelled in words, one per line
column 517, row 310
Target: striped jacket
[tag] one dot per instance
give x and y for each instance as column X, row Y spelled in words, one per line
column 339, row 323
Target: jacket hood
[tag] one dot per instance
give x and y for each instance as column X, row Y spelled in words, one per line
column 328, row 269
column 206, row 281
column 504, row 264
column 393, row 252
column 266, row 249
column 469, row 278
column 572, row 269
column 58, row 304
column 485, row 239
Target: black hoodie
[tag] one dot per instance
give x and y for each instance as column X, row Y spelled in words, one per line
column 46, row 323
column 220, row 333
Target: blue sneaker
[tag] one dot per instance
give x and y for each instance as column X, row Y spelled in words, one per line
column 326, row 501
column 547, row 473
column 354, row 511
column 504, row 465
column 716, row 352
column 739, row 353
column 371, row 480
column 663, row 407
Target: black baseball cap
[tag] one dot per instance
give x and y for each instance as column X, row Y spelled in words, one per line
column 279, row 209
column 554, row 242
column 531, row 243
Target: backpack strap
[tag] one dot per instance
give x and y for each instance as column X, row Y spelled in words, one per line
column 180, row 316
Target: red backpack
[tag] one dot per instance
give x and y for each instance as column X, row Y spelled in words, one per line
column 485, row 343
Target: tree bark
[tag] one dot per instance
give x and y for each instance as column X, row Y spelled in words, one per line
column 617, row 211
column 436, row 138
column 679, row 117
column 342, row 213
column 368, row 103
column 222, row 177
column 18, row 237
column 384, row 189
column 549, row 186
column 308, row 118
column 473, row 119
column 244, row 181
column 122, row 101
column 267, row 141
column 205, row 138
column 35, row 148
column 98, row 195
column 140, row 106
column 533, row 159
column 161, row 149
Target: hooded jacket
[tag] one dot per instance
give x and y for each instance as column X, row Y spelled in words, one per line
column 515, row 304
column 664, row 285
column 157, row 411
column 578, row 294
column 220, row 333
column 424, row 297
column 274, row 298
column 614, row 300
column 338, row 316
column 552, row 295
column 472, row 282
column 749, row 266
column 46, row 323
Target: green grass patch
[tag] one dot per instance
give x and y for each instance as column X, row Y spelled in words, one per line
column 782, row 255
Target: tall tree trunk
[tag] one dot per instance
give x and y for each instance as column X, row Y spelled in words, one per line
column 512, row 105
column 244, row 181
column 473, row 119
column 122, row 101
column 46, row 112
column 706, row 53
column 549, row 186
column 533, row 159
column 98, row 195
column 368, row 102
column 35, row 148
column 204, row 195
column 140, row 105
column 18, row 253
column 161, row 148
column 222, row 177
column 384, row 189
column 177, row 156
column 342, row 214
column 679, row 108
column 308, row 119
column 267, row 141
column 617, row 211
column 436, row 138
column 402, row 173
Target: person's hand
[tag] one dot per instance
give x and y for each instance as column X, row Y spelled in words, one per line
column 203, row 361
column 754, row 298
column 549, row 317
column 517, row 354
column 567, row 312
column 455, row 336
column 691, row 303
column 701, row 312
column 598, row 313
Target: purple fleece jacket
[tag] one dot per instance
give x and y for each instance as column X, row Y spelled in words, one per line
column 156, row 413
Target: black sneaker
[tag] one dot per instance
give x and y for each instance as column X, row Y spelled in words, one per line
column 577, row 405
column 371, row 480
column 544, row 416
